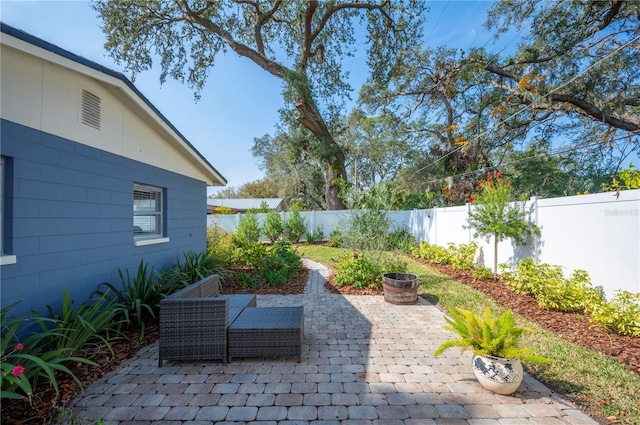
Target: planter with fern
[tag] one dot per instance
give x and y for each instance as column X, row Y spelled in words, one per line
column 496, row 344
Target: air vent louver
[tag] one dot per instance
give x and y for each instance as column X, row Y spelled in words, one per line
column 90, row 110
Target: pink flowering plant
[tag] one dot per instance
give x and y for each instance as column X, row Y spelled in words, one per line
column 29, row 355
column 12, row 369
column 13, row 374
column 495, row 215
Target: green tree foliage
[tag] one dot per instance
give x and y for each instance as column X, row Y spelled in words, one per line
column 300, row 42
column 263, row 188
column 573, row 81
column 627, row 179
column 298, row 176
column 227, row 193
column 295, row 227
column 423, row 89
column 589, row 69
column 248, row 230
column 536, row 171
column 273, row 226
column 377, row 148
column 493, row 215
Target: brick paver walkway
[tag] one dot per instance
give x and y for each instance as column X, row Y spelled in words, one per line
column 365, row 362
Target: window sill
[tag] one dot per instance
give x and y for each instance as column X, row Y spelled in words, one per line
column 5, row 260
column 144, row 242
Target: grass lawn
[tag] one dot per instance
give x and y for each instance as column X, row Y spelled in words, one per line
column 584, row 376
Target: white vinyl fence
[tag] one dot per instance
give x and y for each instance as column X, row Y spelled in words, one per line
column 598, row 233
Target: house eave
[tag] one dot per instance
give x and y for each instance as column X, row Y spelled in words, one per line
column 117, row 84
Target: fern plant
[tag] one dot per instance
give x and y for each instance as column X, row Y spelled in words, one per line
column 487, row 335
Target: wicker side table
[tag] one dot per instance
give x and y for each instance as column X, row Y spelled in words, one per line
column 267, row 332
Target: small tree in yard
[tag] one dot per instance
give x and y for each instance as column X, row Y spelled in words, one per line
column 273, row 226
column 248, row 230
column 493, row 215
column 295, row 226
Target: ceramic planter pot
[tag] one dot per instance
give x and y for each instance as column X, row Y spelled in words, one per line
column 502, row 376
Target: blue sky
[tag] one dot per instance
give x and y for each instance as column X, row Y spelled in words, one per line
column 240, row 101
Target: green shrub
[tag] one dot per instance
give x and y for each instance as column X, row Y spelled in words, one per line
column 547, row 284
column 316, row 236
column 271, row 265
column 251, row 254
column 360, row 271
column 434, row 253
column 621, row 314
column 139, row 297
column 220, row 245
column 401, row 239
column 273, row 226
column 531, row 279
column 367, row 231
column 572, row 295
column 462, row 257
column 275, row 276
column 248, row 230
column 393, row 264
column 280, row 264
column 365, row 270
column 286, row 251
column 336, row 239
column 247, row 280
column 481, row 272
column 295, row 226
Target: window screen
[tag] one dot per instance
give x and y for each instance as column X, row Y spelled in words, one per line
column 147, row 211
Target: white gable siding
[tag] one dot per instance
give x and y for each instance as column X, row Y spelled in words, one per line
column 21, row 88
column 46, row 96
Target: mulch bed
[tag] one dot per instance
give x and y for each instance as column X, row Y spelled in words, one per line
column 572, row 327
column 295, row 285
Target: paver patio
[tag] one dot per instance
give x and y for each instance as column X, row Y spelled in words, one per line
column 365, row 362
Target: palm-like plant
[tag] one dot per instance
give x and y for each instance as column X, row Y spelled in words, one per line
column 138, row 298
column 487, row 335
column 196, row 266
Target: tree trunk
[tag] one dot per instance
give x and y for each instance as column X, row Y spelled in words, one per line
column 495, row 255
column 332, row 178
column 332, row 154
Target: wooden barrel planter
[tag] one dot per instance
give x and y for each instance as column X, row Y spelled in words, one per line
column 400, row 288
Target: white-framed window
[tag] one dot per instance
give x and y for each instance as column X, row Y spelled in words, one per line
column 5, row 257
column 148, row 215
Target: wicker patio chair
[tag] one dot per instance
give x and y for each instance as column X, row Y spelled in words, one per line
column 194, row 321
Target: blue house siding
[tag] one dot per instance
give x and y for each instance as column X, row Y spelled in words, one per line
column 70, row 217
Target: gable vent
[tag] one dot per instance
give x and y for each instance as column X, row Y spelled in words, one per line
column 90, row 110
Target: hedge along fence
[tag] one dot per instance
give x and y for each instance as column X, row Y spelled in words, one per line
column 599, row 233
